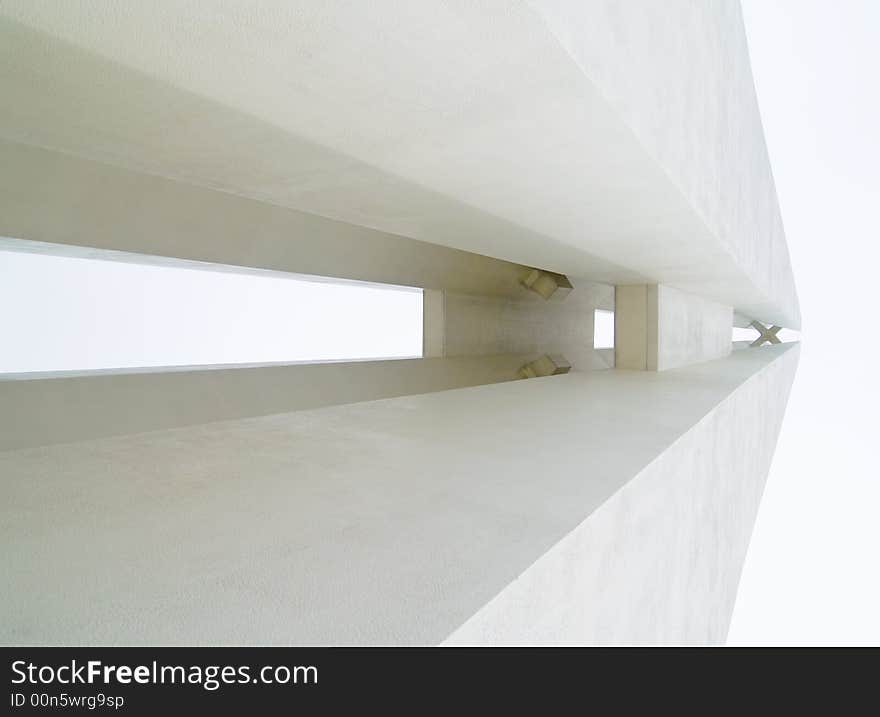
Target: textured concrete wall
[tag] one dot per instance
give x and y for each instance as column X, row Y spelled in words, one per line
column 678, row 72
column 362, row 524
column 689, row 329
column 631, row 321
column 658, row 328
column 659, row 562
column 618, row 142
column 72, row 407
column 55, row 198
column 478, row 325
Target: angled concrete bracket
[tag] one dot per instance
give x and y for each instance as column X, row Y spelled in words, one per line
column 545, row 366
column 767, row 335
column 548, row 284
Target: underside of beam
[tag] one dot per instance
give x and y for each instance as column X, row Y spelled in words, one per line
column 658, row 328
column 73, row 406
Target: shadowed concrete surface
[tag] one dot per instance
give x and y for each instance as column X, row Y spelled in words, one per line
column 601, row 140
column 482, row 325
column 41, row 409
column 357, row 524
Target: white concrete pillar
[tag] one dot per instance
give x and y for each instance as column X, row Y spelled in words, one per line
column 658, row 327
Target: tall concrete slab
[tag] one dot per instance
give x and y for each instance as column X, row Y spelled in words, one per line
column 627, row 496
column 678, row 73
column 660, row 561
column 565, row 135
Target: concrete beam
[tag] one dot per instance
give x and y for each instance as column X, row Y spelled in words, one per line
column 575, row 137
column 44, row 409
column 659, row 562
column 78, row 207
column 579, row 517
column 655, row 62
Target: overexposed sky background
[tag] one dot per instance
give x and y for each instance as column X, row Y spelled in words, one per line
column 84, row 313
column 812, row 575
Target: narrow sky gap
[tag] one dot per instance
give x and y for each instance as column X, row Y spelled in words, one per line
column 60, row 313
column 603, row 329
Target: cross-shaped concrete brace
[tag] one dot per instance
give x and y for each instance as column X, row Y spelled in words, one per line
column 767, row 335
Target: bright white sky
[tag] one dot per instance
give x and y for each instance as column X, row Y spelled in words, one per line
column 92, row 314
column 813, row 571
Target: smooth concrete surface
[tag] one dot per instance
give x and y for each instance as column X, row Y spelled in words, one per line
column 689, row 329
column 41, row 409
column 658, row 328
column 477, row 325
column 359, row 524
column 433, row 323
column 617, row 144
column 678, row 73
column 54, row 203
column 631, row 321
column 660, row 561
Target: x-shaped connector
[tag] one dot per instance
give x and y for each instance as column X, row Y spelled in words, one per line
column 767, row 335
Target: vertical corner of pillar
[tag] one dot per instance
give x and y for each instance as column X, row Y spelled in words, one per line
column 434, row 323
